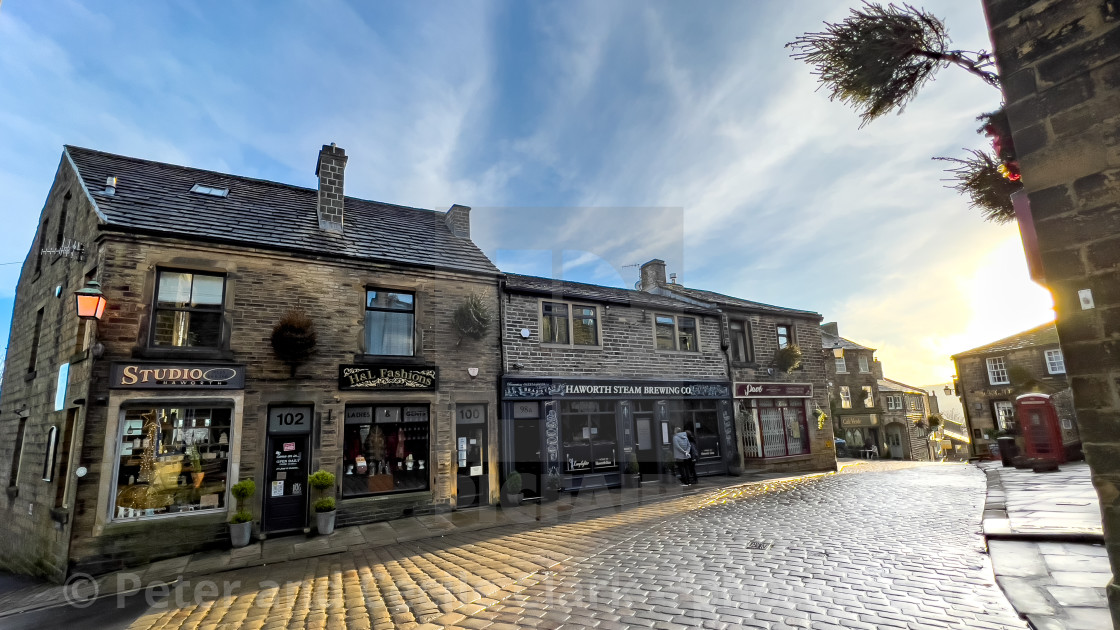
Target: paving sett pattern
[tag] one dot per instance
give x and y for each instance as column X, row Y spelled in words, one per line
column 885, row 545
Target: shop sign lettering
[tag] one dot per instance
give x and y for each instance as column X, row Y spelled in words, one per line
column 388, row 377
column 557, row 388
column 178, row 376
column 773, row 390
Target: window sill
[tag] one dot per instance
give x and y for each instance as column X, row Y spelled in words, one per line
column 136, row 522
column 386, row 358
column 745, row 364
column 60, row 515
column 567, row 346
column 694, row 353
column 382, row 496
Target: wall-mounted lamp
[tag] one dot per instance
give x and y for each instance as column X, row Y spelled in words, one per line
column 948, row 390
column 838, row 352
column 90, row 301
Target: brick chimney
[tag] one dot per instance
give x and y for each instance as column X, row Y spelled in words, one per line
column 330, row 170
column 458, row 220
column 831, row 328
column 652, row 274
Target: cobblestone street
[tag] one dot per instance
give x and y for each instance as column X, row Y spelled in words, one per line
column 878, row 546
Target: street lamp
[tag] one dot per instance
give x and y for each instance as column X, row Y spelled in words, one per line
column 948, row 390
column 90, row 301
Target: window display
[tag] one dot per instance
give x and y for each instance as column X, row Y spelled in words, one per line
column 589, row 435
column 172, row 460
column 385, row 449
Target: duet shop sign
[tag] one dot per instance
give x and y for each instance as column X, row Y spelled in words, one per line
column 176, row 376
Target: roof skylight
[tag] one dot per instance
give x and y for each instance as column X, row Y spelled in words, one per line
column 210, row 190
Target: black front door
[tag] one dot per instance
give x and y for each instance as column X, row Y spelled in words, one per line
column 286, row 463
column 470, row 441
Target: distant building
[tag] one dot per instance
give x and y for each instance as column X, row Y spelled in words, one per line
column 871, row 412
column 991, row 377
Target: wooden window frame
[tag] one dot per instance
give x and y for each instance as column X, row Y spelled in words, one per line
column 676, row 332
column 223, row 333
column 572, row 306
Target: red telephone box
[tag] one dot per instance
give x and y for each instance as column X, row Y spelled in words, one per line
column 1042, row 436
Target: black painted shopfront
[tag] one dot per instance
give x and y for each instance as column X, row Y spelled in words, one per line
column 586, row 431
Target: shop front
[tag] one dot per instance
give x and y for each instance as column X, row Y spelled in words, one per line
column 173, row 449
column 863, row 435
column 587, row 432
column 386, row 442
column 773, row 418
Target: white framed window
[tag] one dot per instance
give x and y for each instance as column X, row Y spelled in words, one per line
column 845, row 397
column 915, row 403
column 785, row 335
column 863, row 365
column 868, row 397
column 567, row 324
column 841, row 365
column 1055, row 362
column 894, row 402
column 1005, row 414
column 189, row 309
column 676, row 332
column 997, row 371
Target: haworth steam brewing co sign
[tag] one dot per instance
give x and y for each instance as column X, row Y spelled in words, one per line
column 388, row 377
column 176, row 375
column 513, row 389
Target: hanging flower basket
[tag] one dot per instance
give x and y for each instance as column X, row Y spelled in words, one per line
column 294, row 338
column 472, row 318
column 788, row 358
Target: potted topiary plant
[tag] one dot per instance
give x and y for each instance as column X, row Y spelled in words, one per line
column 472, row 318
column 632, row 476
column 511, row 490
column 323, row 481
column 551, row 489
column 241, row 525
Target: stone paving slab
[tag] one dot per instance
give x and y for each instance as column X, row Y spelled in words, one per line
column 1056, row 585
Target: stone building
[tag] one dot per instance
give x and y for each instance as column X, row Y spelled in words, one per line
column 991, row 377
column 120, row 438
column 773, row 358
column 1059, row 63
column 853, row 375
column 876, row 416
column 596, row 376
column 906, row 421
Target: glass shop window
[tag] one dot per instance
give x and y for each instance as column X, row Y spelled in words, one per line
column 386, row 449
column 172, row 460
column 390, row 319
column 699, row 417
column 590, row 438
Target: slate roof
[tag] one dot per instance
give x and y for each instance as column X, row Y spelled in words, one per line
column 887, row 385
column 1044, row 335
column 155, row 197
column 595, row 293
column 828, row 342
column 727, row 300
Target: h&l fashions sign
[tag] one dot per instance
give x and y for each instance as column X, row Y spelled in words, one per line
column 388, row 377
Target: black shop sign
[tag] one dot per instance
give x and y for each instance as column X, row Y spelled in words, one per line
column 388, row 378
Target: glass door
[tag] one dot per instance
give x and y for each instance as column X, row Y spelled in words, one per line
column 470, row 442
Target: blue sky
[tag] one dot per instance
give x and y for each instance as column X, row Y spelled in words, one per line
column 587, row 137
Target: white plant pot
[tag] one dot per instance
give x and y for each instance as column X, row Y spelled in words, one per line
column 324, row 522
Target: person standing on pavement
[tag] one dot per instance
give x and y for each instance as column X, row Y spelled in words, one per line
column 682, row 453
column 693, row 454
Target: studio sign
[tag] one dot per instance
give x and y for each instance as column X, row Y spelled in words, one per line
column 175, row 375
column 388, row 377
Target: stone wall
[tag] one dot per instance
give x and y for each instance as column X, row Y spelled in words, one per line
column 627, row 349
column 1060, row 64
column 36, row 521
